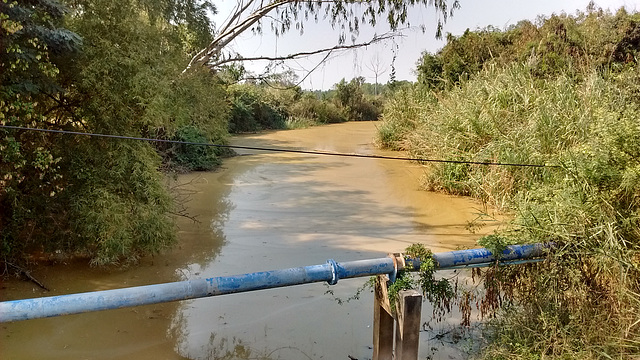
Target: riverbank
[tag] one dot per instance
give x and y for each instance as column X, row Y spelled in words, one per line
column 565, row 147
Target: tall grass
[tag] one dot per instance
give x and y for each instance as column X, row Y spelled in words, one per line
column 583, row 301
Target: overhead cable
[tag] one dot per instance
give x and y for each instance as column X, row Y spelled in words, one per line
column 309, row 152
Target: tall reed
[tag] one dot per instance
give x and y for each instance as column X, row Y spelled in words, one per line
column 583, row 301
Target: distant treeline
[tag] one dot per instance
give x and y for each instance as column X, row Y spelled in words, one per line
column 563, row 91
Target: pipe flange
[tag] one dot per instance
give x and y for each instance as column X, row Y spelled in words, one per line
column 334, row 272
column 398, row 264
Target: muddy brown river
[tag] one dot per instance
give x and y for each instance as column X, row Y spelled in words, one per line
column 260, row 211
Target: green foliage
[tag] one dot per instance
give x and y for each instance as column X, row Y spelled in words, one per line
column 401, row 117
column 429, row 69
column 253, row 108
column 495, row 243
column 316, row 111
column 562, row 92
column 257, row 107
column 31, row 45
column 123, row 215
column 461, row 58
column 468, row 124
column 97, row 197
column 194, row 157
column 192, row 108
column 560, row 45
column 191, row 18
column 404, row 281
column 419, row 251
column 350, row 97
column 438, row 291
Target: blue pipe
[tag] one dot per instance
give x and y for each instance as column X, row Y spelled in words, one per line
column 481, row 257
column 330, row 272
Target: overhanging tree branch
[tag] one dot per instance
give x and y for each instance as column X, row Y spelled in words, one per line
column 231, row 31
column 347, row 15
column 305, row 53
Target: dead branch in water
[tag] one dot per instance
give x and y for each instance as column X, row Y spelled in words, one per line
column 24, row 272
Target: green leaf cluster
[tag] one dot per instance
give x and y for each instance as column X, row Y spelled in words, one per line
column 255, row 108
column 350, row 96
column 438, row 291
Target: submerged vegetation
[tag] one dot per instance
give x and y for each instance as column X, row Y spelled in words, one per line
column 562, row 92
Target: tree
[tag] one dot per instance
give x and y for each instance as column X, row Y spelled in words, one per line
column 350, row 97
column 429, row 70
column 129, row 83
column 32, row 43
column 377, row 67
column 349, row 94
column 98, row 197
column 348, row 16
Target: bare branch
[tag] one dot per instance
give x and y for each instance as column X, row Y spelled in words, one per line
column 230, row 33
column 265, row 78
column 375, row 39
column 26, row 273
column 181, row 196
column 378, row 68
column 237, row 12
column 248, row 14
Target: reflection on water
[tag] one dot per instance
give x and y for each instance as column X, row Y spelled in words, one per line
column 227, row 349
column 202, row 236
column 262, row 211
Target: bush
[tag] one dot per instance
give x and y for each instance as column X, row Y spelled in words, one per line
column 192, row 109
column 565, row 45
column 562, row 92
column 316, row 111
column 349, row 96
column 194, row 157
column 253, row 109
column 582, row 301
column 96, row 197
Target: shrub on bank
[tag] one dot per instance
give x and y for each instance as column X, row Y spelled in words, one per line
column 582, row 302
column 252, row 109
column 309, row 108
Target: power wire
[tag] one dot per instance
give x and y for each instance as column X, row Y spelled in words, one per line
column 309, row 152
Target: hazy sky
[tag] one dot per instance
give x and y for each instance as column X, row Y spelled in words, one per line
column 472, row 14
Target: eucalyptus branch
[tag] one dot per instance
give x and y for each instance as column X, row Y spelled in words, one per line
column 248, row 14
column 228, row 34
column 325, row 58
column 375, row 39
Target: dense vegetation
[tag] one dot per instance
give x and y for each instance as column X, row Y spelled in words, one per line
column 283, row 105
column 563, row 91
column 105, row 67
column 116, row 67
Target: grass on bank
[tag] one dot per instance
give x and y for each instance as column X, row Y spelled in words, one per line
column 583, row 301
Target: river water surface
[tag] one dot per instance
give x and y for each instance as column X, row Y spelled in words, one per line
column 260, row 211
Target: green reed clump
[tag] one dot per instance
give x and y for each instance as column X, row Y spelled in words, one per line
column 583, row 301
column 501, row 116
